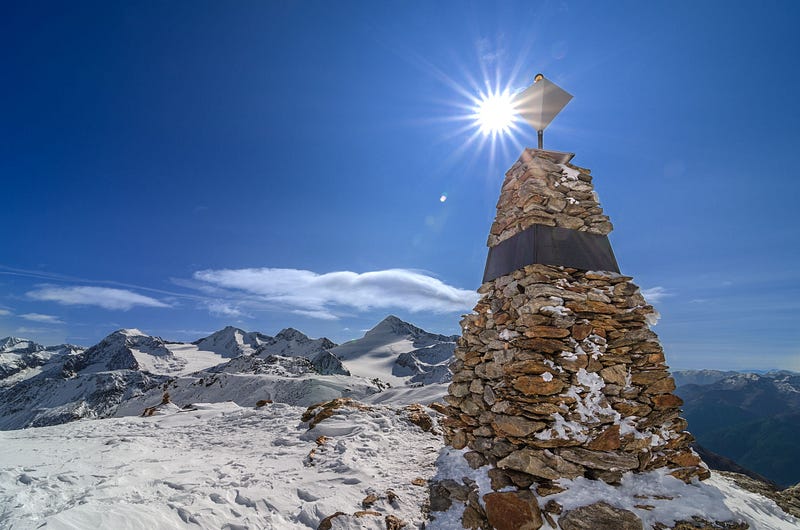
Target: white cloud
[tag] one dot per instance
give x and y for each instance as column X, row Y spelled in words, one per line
column 44, row 319
column 24, row 329
column 4, row 312
column 104, row 297
column 318, row 295
column 322, row 315
column 653, row 295
column 219, row 308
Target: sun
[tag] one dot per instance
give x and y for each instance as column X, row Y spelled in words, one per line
column 495, row 112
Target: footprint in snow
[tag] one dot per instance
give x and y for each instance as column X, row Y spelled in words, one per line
column 217, row 498
column 26, row 479
column 307, row 496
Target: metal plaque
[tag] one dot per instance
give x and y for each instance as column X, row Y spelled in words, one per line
column 539, row 103
column 550, row 245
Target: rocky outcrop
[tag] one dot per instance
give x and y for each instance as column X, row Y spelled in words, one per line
column 327, row 363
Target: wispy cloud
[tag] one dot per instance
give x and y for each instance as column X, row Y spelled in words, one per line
column 321, row 315
column 489, row 52
column 24, row 329
column 44, row 319
column 653, row 295
column 319, row 295
column 105, row 297
column 4, row 312
column 219, row 308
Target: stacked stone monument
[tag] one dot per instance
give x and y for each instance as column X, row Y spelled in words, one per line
column 557, row 374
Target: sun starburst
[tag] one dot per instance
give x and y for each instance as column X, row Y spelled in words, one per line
column 496, row 113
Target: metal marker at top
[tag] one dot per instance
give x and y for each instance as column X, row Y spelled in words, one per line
column 540, row 103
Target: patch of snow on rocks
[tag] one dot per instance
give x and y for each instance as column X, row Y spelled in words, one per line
column 716, row 498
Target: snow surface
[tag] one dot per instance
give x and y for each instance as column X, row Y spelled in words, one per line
column 195, row 359
column 374, row 357
column 216, row 466
column 762, row 513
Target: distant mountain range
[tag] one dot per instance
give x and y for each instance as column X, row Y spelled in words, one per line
column 739, row 419
column 129, row 370
column 752, row 419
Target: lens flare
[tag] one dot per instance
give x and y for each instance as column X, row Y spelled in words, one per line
column 495, row 112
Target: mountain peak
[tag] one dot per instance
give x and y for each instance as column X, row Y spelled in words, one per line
column 395, row 325
column 19, row 345
column 231, row 341
column 129, row 332
column 291, row 334
column 392, row 320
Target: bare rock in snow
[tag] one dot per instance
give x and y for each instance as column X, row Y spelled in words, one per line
column 599, row 515
column 513, row 510
column 415, row 413
column 394, row 523
column 322, row 411
column 327, row 523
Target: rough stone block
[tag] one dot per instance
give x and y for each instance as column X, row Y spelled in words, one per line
column 513, row 510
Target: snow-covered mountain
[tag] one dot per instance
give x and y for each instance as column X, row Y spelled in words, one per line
column 399, row 353
column 700, row 377
column 19, row 346
column 23, row 358
column 232, row 342
column 73, row 383
column 129, row 371
column 292, row 342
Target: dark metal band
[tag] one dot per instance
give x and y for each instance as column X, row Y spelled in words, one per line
column 550, row 245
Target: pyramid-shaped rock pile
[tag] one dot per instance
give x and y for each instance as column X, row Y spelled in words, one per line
column 557, row 373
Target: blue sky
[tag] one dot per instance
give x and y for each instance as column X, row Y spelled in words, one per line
column 181, row 166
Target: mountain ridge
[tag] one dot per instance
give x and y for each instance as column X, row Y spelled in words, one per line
column 750, row 418
column 128, row 365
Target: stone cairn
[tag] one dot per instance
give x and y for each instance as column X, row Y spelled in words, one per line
column 557, row 373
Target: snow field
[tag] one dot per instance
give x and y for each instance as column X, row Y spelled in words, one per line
column 219, row 466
